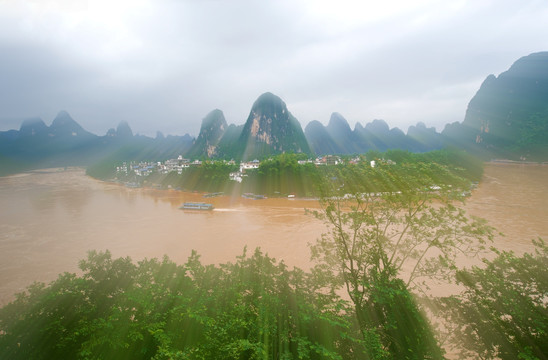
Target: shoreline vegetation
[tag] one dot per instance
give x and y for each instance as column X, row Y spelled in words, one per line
column 356, row 302
column 283, row 175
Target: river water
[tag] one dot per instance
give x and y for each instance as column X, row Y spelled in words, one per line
column 49, row 219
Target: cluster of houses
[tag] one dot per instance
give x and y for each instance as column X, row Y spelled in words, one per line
column 238, row 175
column 144, row 168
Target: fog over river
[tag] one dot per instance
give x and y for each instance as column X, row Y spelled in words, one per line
column 49, row 219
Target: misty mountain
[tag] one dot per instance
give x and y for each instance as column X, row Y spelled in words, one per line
column 270, row 129
column 67, row 143
column 229, row 141
column 212, row 130
column 319, row 139
column 339, row 130
column 338, row 138
column 422, row 139
column 123, row 130
column 377, row 133
column 62, row 143
column 508, row 116
column 31, row 127
column 65, row 127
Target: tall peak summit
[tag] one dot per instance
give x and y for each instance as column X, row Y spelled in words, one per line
column 65, row 125
column 212, row 130
column 123, row 130
column 270, row 129
column 32, row 127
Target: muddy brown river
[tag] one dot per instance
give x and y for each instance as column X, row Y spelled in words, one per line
column 49, row 219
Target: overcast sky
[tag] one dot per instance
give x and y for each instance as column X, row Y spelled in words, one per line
column 163, row 65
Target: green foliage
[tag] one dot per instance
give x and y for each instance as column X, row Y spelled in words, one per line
column 533, row 132
column 282, row 174
column 212, row 176
column 391, row 313
column 392, row 227
column 139, row 149
column 253, row 308
column 502, row 314
column 460, row 162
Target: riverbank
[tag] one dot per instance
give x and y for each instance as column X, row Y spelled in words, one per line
column 515, row 162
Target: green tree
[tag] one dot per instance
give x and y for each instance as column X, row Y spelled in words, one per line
column 253, row 308
column 282, row 174
column 393, row 227
column 502, row 313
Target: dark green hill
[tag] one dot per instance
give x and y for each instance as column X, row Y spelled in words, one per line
column 338, row 138
column 342, row 135
column 228, row 145
column 212, row 130
column 319, row 139
column 270, row 129
column 508, row 116
column 377, row 133
column 422, row 139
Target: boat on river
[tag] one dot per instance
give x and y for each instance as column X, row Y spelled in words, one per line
column 253, row 196
column 196, row 206
column 215, row 194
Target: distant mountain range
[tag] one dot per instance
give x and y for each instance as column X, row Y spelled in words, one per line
column 338, row 138
column 507, row 118
column 66, row 143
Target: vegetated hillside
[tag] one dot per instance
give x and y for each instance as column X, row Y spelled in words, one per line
column 508, row 116
column 319, row 139
column 228, row 143
column 339, row 130
column 212, row 130
column 270, row 129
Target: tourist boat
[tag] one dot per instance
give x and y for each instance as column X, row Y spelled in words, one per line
column 253, row 196
column 215, row 194
column 196, row 206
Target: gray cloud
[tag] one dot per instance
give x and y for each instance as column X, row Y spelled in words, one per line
column 164, row 65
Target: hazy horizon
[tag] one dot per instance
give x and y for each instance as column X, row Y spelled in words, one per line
column 163, row 66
